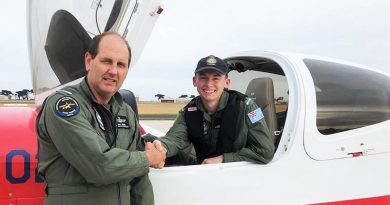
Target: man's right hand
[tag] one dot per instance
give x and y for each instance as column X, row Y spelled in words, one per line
column 158, row 146
column 156, row 157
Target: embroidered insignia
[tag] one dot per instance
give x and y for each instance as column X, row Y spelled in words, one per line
column 67, row 107
column 255, row 115
column 99, row 119
column 211, row 60
column 122, row 122
column 191, row 109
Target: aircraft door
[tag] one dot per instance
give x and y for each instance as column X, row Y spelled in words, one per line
column 348, row 111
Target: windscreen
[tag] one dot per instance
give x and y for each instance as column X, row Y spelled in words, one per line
column 348, row 97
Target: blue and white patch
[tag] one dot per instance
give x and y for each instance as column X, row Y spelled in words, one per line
column 255, row 115
column 67, row 107
column 100, row 122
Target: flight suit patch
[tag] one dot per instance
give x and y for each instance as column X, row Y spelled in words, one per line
column 122, row 122
column 100, row 121
column 192, row 109
column 67, row 107
column 255, row 115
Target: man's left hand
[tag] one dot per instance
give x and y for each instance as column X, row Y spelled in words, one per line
column 213, row 160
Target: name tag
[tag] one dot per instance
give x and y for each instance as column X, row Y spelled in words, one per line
column 122, row 122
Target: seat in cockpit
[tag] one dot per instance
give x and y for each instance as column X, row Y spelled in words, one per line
column 261, row 90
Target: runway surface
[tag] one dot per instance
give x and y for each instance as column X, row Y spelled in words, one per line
column 160, row 125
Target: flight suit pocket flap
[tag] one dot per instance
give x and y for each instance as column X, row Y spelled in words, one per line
column 67, row 190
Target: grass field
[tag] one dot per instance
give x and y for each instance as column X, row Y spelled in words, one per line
column 159, row 108
column 146, row 110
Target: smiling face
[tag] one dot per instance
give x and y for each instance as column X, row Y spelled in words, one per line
column 210, row 85
column 108, row 70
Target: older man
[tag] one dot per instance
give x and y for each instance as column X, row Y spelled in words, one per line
column 89, row 147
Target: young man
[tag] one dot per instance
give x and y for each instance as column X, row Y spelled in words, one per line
column 223, row 125
column 88, row 140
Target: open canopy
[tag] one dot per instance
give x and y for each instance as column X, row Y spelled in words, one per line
column 60, row 33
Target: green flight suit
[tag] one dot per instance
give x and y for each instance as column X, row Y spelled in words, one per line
column 253, row 143
column 75, row 160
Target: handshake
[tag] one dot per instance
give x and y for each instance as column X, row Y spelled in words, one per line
column 156, row 154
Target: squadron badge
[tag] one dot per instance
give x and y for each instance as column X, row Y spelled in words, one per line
column 67, row 107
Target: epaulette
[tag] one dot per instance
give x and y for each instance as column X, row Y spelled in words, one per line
column 65, row 90
column 248, row 100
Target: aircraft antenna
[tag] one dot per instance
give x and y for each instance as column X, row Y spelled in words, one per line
column 96, row 20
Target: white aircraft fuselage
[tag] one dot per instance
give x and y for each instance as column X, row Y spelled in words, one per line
column 330, row 118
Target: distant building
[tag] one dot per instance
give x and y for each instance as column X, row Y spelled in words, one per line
column 183, row 100
column 167, row 100
column 3, row 97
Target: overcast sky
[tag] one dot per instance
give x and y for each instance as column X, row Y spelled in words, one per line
column 354, row 30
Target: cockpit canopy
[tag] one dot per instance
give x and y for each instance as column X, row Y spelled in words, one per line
column 60, row 33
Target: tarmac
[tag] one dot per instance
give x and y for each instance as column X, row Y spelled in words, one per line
column 160, row 125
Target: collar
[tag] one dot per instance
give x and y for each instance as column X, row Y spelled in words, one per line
column 221, row 104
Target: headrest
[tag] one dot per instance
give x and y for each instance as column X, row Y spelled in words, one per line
column 261, row 90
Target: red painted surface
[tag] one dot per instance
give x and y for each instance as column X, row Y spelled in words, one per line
column 18, row 136
column 380, row 200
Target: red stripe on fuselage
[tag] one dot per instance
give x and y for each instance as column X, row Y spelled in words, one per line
column 380, row 200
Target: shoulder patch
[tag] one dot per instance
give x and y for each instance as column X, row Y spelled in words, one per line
column 67, row 106
column 255, row 115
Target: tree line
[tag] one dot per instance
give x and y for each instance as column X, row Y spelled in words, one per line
column 18, row 95
column 161, row 96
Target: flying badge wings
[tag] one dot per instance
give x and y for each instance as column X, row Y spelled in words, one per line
column 255, row 115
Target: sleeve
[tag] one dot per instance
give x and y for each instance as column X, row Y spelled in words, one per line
column 141, row 191
column 176, row 138
column 80, row 144
column 137, row 135
column 259, row 146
